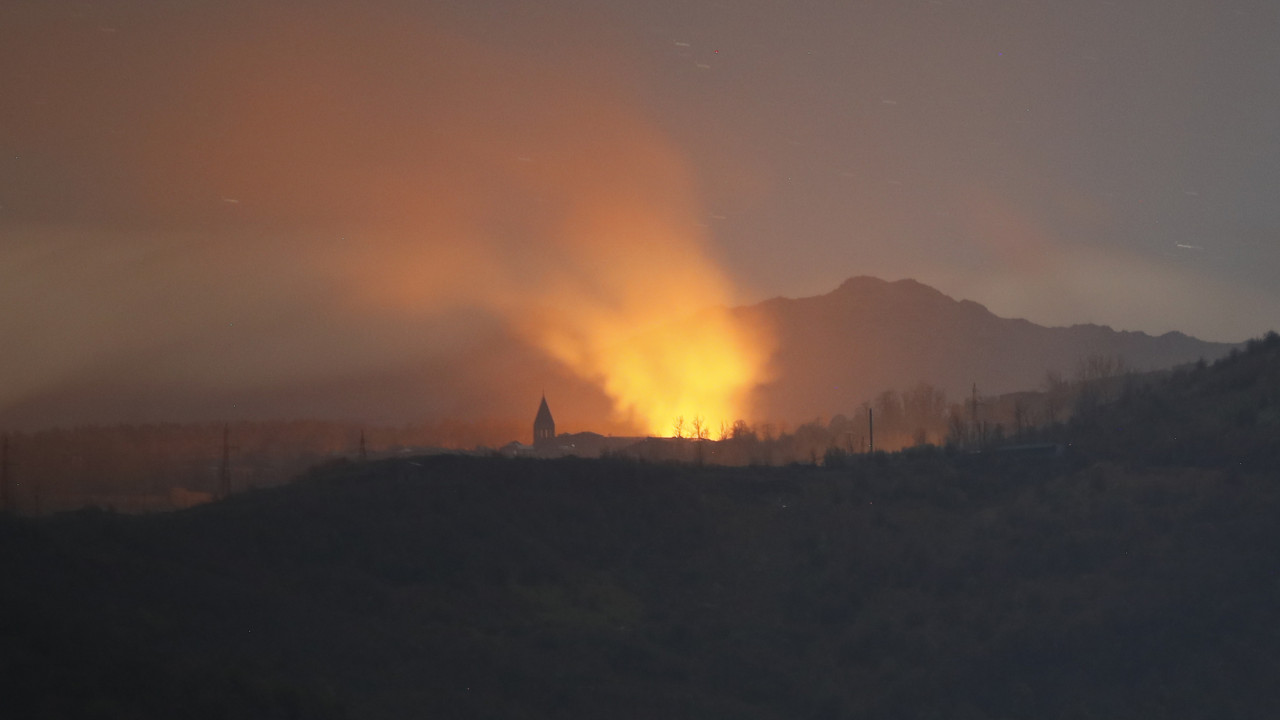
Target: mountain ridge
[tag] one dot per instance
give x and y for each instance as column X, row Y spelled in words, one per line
column 837, row 350
column 832, row 352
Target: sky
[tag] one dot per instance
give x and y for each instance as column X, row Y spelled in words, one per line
column 394, row 209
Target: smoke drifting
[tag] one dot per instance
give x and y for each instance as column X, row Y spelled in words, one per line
column 288, row 209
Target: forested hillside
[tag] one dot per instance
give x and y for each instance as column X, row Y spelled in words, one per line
column 1116, row 580
column 1224, row 415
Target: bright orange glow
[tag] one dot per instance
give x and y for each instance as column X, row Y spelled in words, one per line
column 655, row 360
column 699, row 371
column 629, row 303
column 537, row 196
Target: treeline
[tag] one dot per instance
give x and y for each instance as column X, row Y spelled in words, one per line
column 919, row 417
column 1225, row 415
column 140, row 468
column 1134, row 577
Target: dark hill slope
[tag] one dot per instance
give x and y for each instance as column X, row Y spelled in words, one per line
column 868, row 335
column 1226, row 414
column 486, row 588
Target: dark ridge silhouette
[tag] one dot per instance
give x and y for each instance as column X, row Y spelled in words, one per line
column 1101, row 583
column 839, row 349
column 833, row 352
column 1223, row 415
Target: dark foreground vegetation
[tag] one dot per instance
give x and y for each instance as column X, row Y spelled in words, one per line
column 1119, row 579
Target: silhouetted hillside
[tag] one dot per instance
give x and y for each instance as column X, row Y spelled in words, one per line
column 920, row 585
column 1225, row 415
column 839, row 349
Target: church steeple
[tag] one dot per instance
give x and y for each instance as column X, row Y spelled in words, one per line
column 544, row 427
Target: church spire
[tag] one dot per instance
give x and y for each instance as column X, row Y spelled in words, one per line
column 544, row 427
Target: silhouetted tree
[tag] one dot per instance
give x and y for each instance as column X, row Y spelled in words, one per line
column 1055, row 396
column 924, row 412
column 958, row 431
column 1019, row 417
column 698, row 428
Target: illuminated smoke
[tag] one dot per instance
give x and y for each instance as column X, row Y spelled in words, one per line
column 354, row 190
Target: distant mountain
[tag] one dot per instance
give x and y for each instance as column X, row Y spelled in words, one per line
column 837, row 350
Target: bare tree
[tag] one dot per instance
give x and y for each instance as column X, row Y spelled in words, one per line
column 957, row 428
column 1095, row 375
column 1055, row 395
column 978, row 427
column 920, row 438
column 677, row 427
column 889, row 412
column 698, row 428
column 1019, row 416
column 1100, row 367
column 925, row 412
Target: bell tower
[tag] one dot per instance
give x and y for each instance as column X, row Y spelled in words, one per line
column 544, row 427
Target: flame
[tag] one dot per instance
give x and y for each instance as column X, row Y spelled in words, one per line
column 643, row 344
column 697, row 373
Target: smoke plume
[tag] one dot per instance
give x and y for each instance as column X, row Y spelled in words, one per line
column 299, row 208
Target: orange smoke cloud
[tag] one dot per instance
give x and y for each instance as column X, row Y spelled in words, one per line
column 578, row 225
column 326, row 195
column 401, row 172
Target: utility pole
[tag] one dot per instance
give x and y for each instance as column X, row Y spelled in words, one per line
column 224, row 470
column 973, row 416
column 6, row 496
column 871, row 430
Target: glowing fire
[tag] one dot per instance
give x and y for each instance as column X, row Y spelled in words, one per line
column 699, row 375
column 643, row 315
column 696, row 370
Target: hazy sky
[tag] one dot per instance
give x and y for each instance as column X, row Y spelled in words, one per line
column 1113, row 162
column 265, row 199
